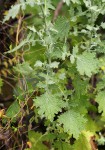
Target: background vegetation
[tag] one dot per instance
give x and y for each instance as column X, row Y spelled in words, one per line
column 52, row 75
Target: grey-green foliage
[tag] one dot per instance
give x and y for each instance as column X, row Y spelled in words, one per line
column 66, row 70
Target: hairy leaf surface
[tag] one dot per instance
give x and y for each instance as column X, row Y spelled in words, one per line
column 48, row 105
column 87, row 64
column 73, row 122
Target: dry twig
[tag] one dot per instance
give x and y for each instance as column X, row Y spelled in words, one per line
column 57, row 10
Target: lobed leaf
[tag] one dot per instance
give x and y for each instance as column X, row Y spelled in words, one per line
column 84, row 141
column 73, row 122
column 62, row 27
column 48, row 105
column 87, row 63
column 100, row 99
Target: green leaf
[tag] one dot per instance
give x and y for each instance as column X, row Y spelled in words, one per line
column 24, row 68
column 13, row 110
column 38, row 52
column 54, row 64
column 60, row 145
column 80, row 86
column 62, row 27
column 38, row 64
column 37, row 141
column 100, row 99
column 48, row 105
column 79, row 102
column 76, row 1
column 28, row 40
column 73, row 122
column 92, row 126
column 12, row 13
column 1, row 84
column 103, row 25
column 68, row 1
column 65, row 52
column 72, row 59
column 14, row 10
column 87, row 64
column 83, row 143
column 101, row 140
column 74, row 54
column 32, row 29
column 101, row 84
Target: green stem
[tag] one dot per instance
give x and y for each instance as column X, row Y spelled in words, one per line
column 45, row 8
